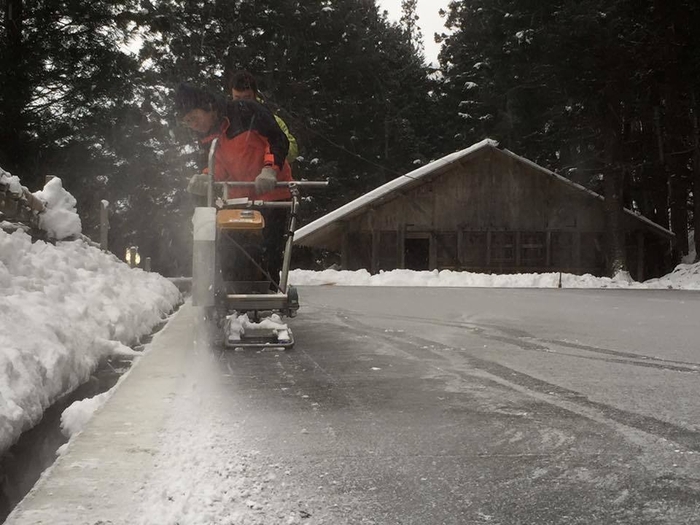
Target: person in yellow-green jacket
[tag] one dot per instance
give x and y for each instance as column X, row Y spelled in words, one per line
column 242, row 86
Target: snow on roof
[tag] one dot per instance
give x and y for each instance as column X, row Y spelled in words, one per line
column 376, row 194
column 391, row 186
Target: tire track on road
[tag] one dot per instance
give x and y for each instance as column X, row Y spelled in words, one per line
column 549, row 392
column 528, row 342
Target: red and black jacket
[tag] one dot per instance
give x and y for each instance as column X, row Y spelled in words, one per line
column 249, row 140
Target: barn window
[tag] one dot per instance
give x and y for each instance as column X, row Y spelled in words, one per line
column 503, row 249
column 474, row 255
column 447, row 250
column 533, row 250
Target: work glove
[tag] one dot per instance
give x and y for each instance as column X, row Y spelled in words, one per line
column 199, row 184
column 266, row 181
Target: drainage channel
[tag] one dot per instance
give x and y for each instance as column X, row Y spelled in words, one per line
column 36, row 450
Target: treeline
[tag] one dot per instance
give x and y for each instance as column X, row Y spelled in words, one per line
column 602, row 92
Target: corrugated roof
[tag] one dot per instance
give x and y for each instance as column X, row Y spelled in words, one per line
column 392, row 186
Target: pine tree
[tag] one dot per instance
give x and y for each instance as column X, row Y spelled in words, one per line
column 410, row 23
column 61, row 67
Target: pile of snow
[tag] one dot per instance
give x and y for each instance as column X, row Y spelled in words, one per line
column 11, row 181
column 63, row 308
column 237, row 325
column 60, row 219
column 74, row 417
column 685, row 276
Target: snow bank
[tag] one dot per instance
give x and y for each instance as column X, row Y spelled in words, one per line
column 446, row 278
column 63, row 308
column 685, row 276
column 60, row 219
column 11, row 181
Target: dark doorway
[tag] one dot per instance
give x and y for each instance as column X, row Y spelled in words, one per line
column 417, row 254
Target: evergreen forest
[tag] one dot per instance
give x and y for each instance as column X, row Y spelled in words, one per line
column 603, row 92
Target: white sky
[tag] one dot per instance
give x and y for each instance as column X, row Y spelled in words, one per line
column 429, row 21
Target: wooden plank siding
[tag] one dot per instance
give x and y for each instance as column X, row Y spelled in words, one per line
column 488, row 213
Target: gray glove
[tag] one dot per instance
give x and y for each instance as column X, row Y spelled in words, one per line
column 199, row 184
column 266, row 181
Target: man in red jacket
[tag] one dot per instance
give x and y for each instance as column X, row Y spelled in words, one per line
column 251, row 148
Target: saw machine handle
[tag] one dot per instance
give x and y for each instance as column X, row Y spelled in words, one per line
column 293, row 186
column 282, row 184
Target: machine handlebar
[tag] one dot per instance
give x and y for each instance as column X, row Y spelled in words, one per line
column 292, row 185
column 284, row 184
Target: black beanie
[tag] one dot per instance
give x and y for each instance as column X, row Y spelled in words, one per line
column 189, row 97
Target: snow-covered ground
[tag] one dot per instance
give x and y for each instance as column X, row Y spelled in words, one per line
column 683, row 277
column 63, row 308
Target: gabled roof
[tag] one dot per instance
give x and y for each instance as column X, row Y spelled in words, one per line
column 389, row 189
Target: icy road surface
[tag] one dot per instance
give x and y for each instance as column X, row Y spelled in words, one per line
column 405, row 405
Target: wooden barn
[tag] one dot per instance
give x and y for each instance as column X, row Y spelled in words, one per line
column 483, row 209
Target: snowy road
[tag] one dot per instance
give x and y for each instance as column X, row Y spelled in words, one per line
column 406, row 405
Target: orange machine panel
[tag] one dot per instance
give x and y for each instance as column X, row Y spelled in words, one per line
column 239, row 220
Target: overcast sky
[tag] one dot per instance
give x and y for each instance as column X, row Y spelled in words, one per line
column 429, row 21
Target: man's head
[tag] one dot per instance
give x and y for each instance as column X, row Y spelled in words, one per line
column 242, row 86
column 197, row 108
